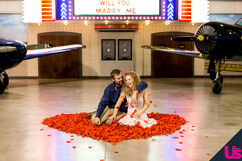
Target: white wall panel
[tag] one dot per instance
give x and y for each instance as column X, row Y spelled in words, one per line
column 11, row 7
column 225, row 7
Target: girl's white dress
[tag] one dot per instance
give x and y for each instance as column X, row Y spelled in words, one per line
column 130, row 118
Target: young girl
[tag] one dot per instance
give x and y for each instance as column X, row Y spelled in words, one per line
column 136, row 107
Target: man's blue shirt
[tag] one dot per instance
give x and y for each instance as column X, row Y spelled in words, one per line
column 111, row 95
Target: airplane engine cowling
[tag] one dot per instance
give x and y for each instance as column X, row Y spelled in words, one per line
column 219, row 40
column 10, row 59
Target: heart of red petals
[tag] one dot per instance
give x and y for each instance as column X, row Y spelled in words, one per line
column 114, row 133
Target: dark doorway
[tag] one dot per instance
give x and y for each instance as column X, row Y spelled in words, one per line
column 167, row 65
column 64, row 65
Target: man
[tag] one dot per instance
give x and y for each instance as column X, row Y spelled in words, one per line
column 109, row 99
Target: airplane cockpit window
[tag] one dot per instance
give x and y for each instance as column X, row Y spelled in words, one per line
column 239, row 22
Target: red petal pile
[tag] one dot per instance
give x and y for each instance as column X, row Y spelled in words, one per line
column 114, row 133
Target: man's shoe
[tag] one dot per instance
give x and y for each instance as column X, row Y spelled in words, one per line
column 89, row 115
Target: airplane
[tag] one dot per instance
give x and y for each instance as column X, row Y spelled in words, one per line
column 217, row 42
column 14, row 52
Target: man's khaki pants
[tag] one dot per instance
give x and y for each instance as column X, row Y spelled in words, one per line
column 107, row 112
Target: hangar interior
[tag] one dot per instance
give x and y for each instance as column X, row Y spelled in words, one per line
column 74, row 83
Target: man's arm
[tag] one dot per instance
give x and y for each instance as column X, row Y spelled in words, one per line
column 143, row 85
column 117, row 106
column 103, row 102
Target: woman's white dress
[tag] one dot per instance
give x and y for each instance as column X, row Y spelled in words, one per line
column 130, row 118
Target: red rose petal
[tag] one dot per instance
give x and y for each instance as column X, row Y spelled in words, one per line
column 178, row 150
column 167, row 124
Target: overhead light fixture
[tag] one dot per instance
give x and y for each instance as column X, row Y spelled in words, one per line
column 65, row 22
column 85, row 22
column 167, row 22
column 127, row 22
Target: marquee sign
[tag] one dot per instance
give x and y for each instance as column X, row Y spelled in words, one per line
column 117, row 7
column 36, row 11
column 114, row 9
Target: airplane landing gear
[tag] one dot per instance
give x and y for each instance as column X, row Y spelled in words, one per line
column 217, row 84
column 218, row 81
column 4, row 81
column 211, row 70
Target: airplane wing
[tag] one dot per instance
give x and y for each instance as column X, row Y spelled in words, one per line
column 54, row 50
column 175, row 51
column 224, row 67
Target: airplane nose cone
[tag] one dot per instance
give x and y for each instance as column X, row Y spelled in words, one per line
column 200, row 37
column 21, row 53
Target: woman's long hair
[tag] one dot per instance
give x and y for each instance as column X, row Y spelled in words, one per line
column 136, row 82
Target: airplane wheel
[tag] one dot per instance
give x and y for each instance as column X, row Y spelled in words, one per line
column 217, row 87
column 2, row 87
column 5, row 79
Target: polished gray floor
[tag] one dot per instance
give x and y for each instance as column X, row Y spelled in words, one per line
column 212, row 120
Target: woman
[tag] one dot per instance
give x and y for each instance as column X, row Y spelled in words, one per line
column 136, row 108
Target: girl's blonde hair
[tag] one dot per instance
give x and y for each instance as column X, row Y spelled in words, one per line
column 136, row 82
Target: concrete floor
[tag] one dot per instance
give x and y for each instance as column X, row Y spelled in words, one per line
column 214, row 118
